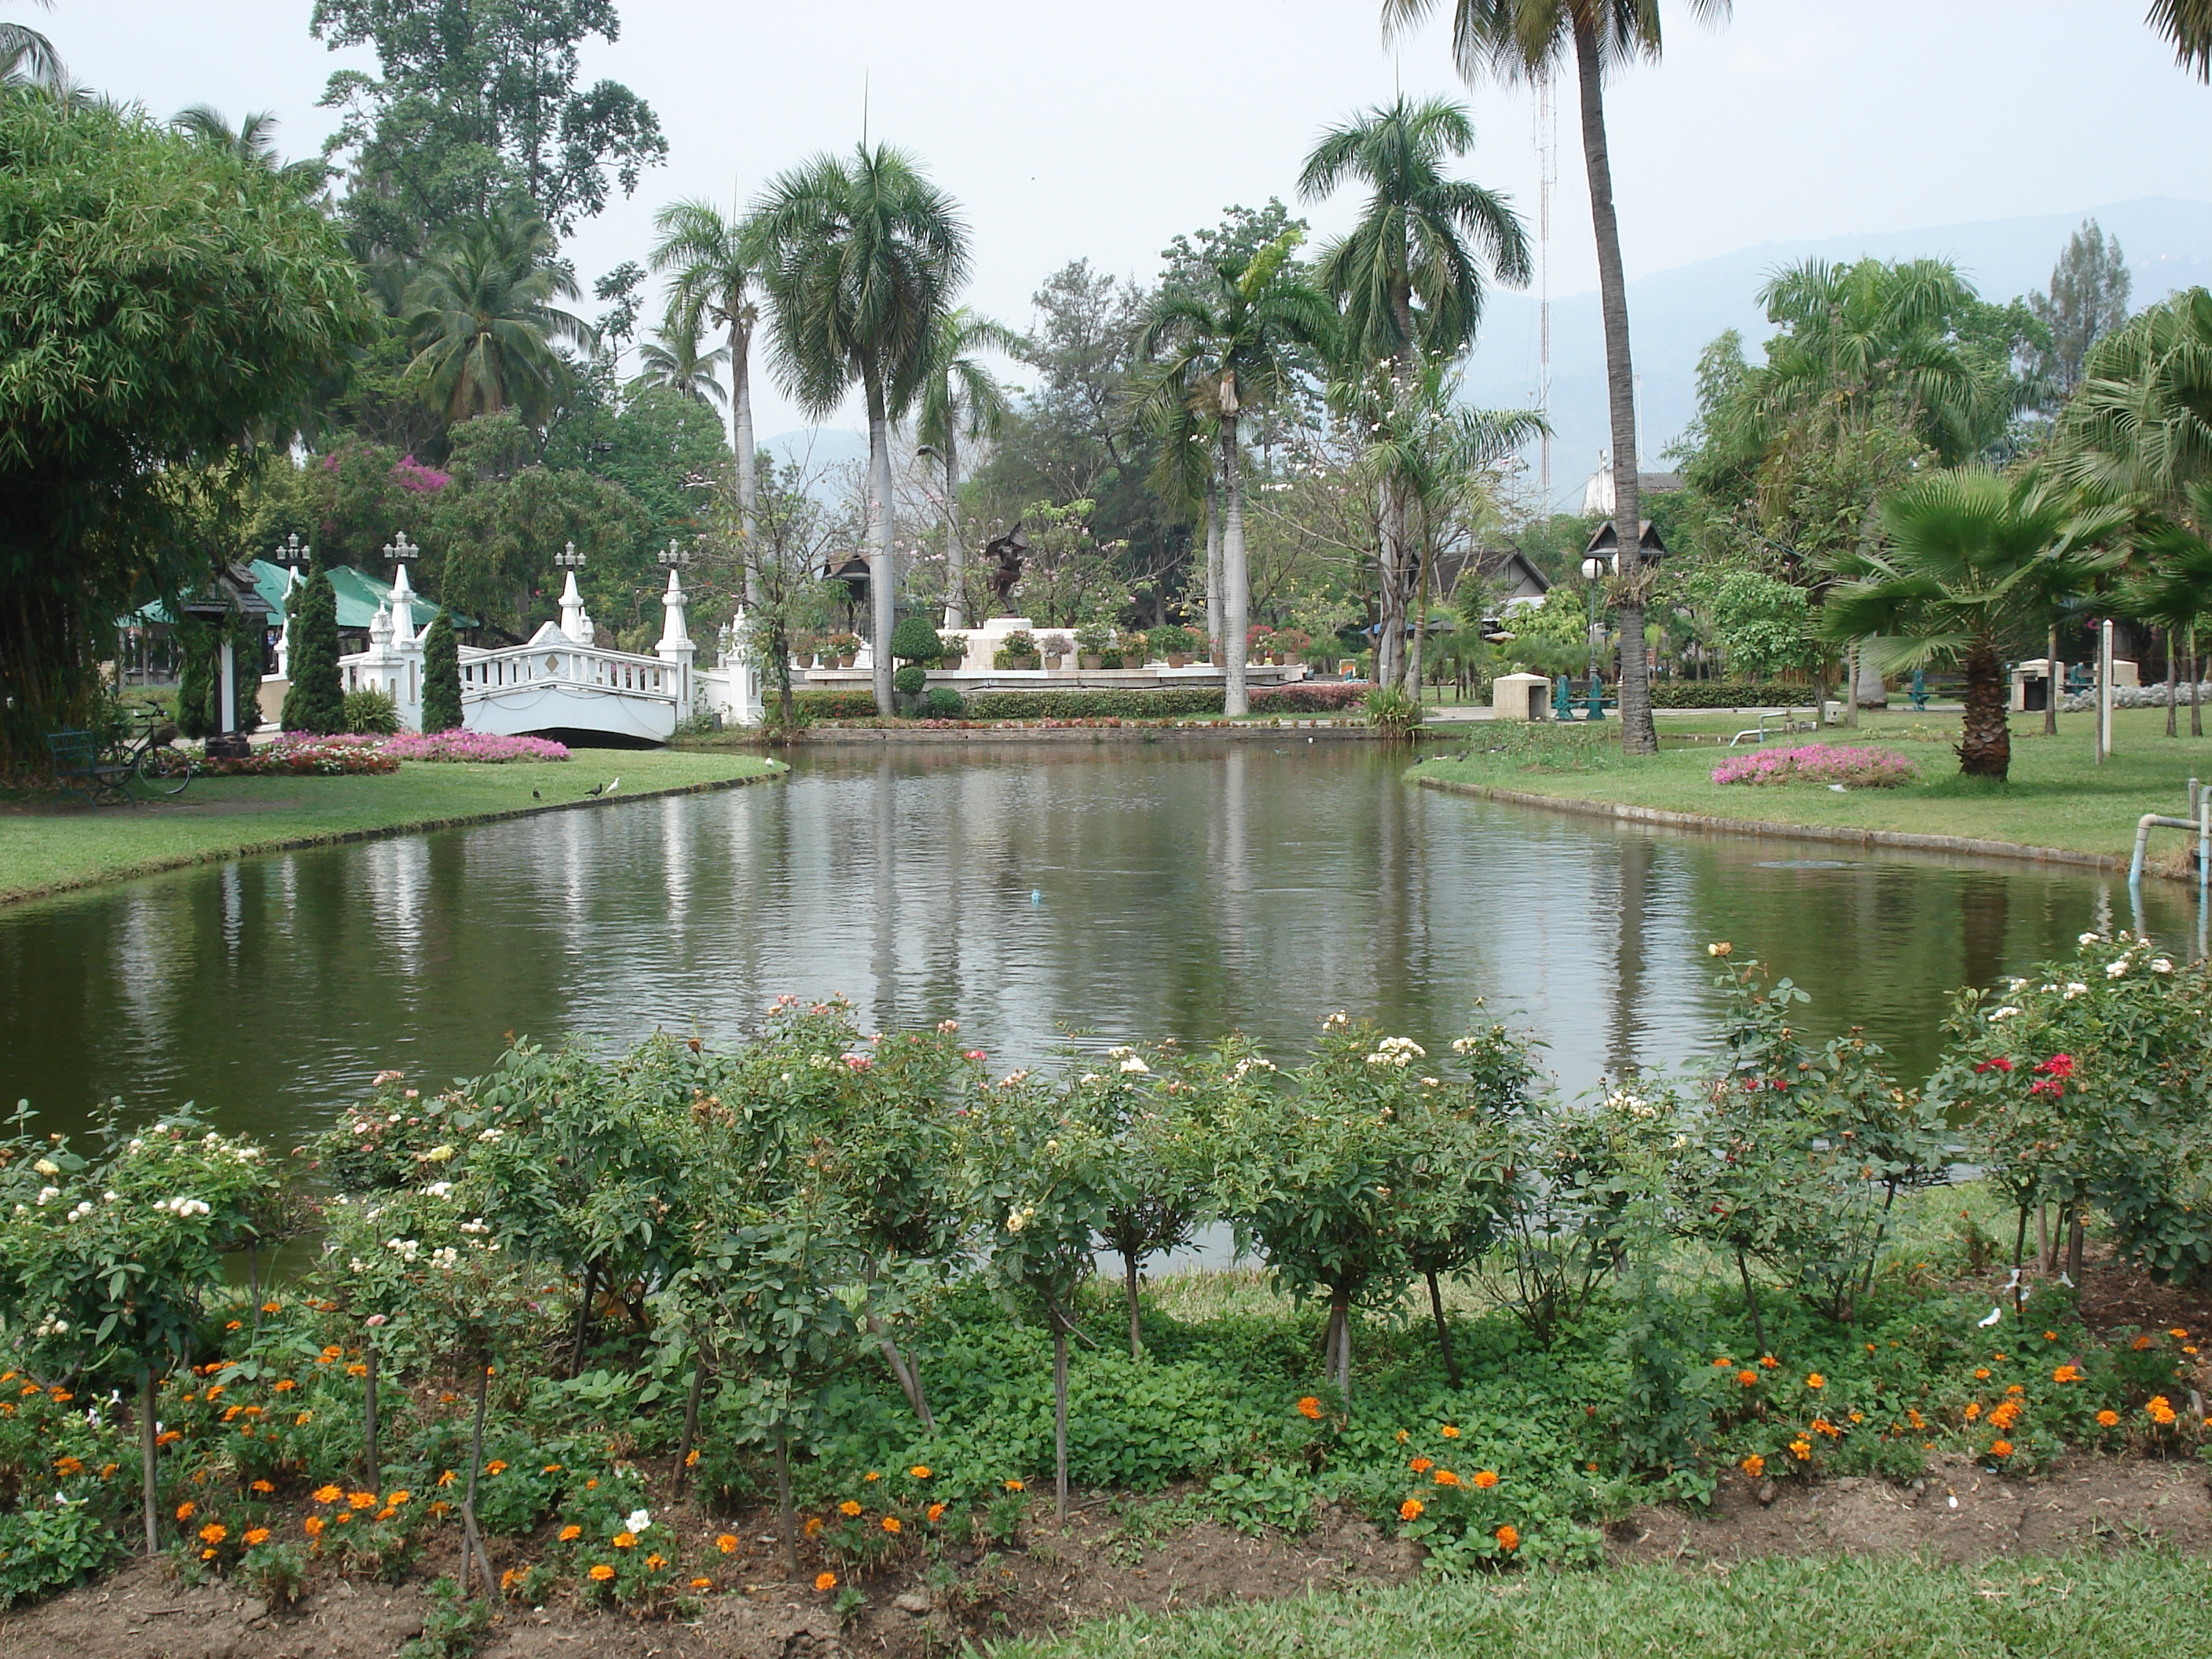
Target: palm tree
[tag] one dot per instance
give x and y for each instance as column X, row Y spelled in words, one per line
column 674, row 360
column 960, row 398
column 1227, row 349
column 1973, row 560
column 2188, row 24
column 2140, row 425
column 861, row 259
column 2170, row 588
column 481, row 314
column 1527, row 39
column 716, row 267
column 1409, row 284
column 252, row 143
column 27, row 56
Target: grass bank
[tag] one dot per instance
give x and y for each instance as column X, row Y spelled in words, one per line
column 46, row 848
column 2140, row 1604
column 2055, row 797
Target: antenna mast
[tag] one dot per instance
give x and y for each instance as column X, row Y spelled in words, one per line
column 1548, row 176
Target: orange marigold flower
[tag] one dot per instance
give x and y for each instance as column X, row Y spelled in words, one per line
column 314, row 1526
column 235, row 1325
column 263, row 1487
column 872, row 1475
column 448, row 1477
column 1015, row 1486
column 213, row 1533
column 2161, row 1411
column 207, row 1555
column 1973, row 1410
column 2140, row 1344
column 1722, row 1364
column 2066, row 1374
column 727, row 1543
column 1801, row 1449
column 813, row 1525
column 497, row 1466
column 68, row 1466
column 169, row 1437
column 891, row 1523
column 398, row 1498
column 1485, row 1478
column 185, row 1510
column 361, row 1500
column 625, row 1540
column 1509, row 1537
column 601, row 1572
column 654, row 1563
column 356, row 1370
column 703, row 1583
column 1768, row 1361
column 2108, row 1419
column 256, row 1535
column 825, row 1581
column 1308, row 1407
column 327, row 1494
column 1422, row 1465
column 1982, row 1374
column 1816, row 1381
column 1446, row 1478
column 551, row 1468
column 1411, row 1510
column 2001, row 1449
column 691, row 1458
column 1754, row 1465
column 1449, row 1433
column 936, row 1512
column 920, row 1471
column 1748, row 1378
column 571, row 1533
column 849, row 1508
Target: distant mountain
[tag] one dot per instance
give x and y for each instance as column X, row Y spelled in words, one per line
column 1675, row 314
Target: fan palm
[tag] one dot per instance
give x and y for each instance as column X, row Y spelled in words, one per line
column 713, row 270
column 1973, row 560
column 960, row 398
column 480, row 313
column 1527, row 40
column 1219, row 351
column 674, row 360
column 2170, row 588
column 1408, row 282
column 861, row 259
column 253, row 142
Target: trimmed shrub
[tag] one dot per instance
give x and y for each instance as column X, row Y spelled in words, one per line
column 842, row 704
column 441, row 676
column 910, row 678
column 945, row 704
column 1308, row 697
column 1728, row 694
column 1135, row 705
column 315, row 701
column 916, row 641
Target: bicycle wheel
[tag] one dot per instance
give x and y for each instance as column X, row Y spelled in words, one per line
column 163, row 769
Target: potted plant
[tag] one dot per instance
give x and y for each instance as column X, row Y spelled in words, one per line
column 802, row 650
column 1055, row 647
column 1130, row 649
column 1175, row 644
column 841, row 649
column 1020, row 651
column 1260, row 643
column 952, row 651
column 1292, row 644
column 1092, row 641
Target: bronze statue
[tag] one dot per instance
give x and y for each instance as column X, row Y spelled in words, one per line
column 1008, row 550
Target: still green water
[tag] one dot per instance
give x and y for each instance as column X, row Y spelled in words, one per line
column 1116, row 892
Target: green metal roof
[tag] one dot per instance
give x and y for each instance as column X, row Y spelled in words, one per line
column 358, row 595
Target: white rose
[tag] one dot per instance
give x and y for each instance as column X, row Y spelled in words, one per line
column 1134, row 1067
column 2160, row 965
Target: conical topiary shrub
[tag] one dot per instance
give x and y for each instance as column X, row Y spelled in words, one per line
column 441, row 676
column 315, row 701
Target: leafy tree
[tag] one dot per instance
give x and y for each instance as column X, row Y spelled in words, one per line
column 314, row 699
column 1765, row 625
column 713, row 270
column 1215, row 354
column 481, row 316
column 478, row 110
column 960, row 398
column 862, row 258
column 1527, row 40
column 441, row 674
column 1973, row 563
column 2088, row 300
column 164, row 305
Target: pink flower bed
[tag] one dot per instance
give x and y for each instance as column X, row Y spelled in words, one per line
column 298, row 755
column 1818, row 763
column 478, row 748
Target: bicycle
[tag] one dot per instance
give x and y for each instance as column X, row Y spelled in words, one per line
column 156, row 766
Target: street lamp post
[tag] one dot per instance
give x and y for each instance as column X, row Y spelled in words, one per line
column 1593, row 573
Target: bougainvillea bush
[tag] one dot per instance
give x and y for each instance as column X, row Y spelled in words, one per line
column 1852, row 767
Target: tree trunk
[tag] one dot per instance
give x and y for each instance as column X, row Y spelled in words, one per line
column 1136, row 1327
column 1419, row 648
column 1872, row 692
column 2173, row 686
column 370, row 1462
column 908, row 1376
column 956, row 555
column 1751, row 1303
column 2073, row 1250
column 783, row 1501
column 1213, row 572
column 469, row 1536
column 2196, row 689
column 1390, row 584
column 1340, row 1314
column 584, row 1302
column 1236, row 589
column 2052, row 686
column 882, row 560
column 147, row 1453
column 1443, row 1330
column 1060, row 1417
column 690, row 1424
column 1637, row 735
column 1985, row 738
column 741, row 432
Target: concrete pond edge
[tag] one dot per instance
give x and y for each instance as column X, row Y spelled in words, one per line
column 379, row 832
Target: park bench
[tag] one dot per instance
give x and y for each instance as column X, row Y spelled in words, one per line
column 78, row 765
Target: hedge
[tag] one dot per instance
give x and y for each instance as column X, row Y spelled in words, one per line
column 1308, row 697
column 1162, row 704
column 1728, row 694
column 841, row 704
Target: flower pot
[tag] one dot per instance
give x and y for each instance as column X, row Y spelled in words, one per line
column 803, row 660
column 1176, row 660
column 1026, row 663
column 1052, row 662
column 1091, row 659
column 846, row 661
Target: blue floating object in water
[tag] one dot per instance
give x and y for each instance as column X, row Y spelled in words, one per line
column 1036, row 896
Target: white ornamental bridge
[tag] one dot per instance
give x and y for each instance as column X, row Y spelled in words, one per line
column 561, row 679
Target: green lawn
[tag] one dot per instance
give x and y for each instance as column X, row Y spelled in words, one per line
column 2054, row 798
column 44, row 849
column 2138, row 1604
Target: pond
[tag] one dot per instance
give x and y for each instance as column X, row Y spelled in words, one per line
column 1039, row 895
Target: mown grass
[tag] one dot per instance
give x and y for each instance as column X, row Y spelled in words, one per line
column 2056, row 796
column 2148, row 1602
column 44, row 847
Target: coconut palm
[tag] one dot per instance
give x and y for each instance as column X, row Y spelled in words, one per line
column 673, row 358
column 1972, row 562
column 2188, row 24
column 1219, row 352
column 861, row 258
column 960, row 398
column 1527, row 40
column 1409, row 283
column 714, row 270
column 2139, row 427
column 253, row 142
column 27, row 56
column 480, row 313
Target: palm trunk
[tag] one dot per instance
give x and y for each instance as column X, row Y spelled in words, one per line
column 1419, row 648
column 741, row 432
column 1390, row 592
column 1235, row 597
column 1637, row 735
column 883, row 567
column 2196, row 689
column 1985, row 739
column 2172, row 688
column 1213, row 572
column 2052, row 686
column 956, row 555
column 1871, row 692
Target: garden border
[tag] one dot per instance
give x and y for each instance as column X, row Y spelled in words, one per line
column 381, row 832
column 1902, row 839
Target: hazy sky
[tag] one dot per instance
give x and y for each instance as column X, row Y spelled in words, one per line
column 1094, row 131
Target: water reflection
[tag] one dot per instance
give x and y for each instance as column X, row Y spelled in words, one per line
column 1123, row 891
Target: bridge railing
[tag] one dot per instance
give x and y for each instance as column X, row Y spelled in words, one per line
column 487, row 673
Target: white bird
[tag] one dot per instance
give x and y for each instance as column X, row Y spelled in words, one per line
column 616, row 785
column 1996, row 1314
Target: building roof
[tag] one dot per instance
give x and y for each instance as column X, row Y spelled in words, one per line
column 358, row 595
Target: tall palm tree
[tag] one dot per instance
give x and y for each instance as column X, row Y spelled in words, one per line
column 2171, row 589
column 481, row 315
column 714, row 269
column 861, row 257
column 1526, row 40
column 2188, row 24
column 253, row 142
column 2140, row 424
column 673, row 358
column 1219, row 352
column 960, row 398
column 27, row 56
column 1972, row 561
column 1409, row 283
